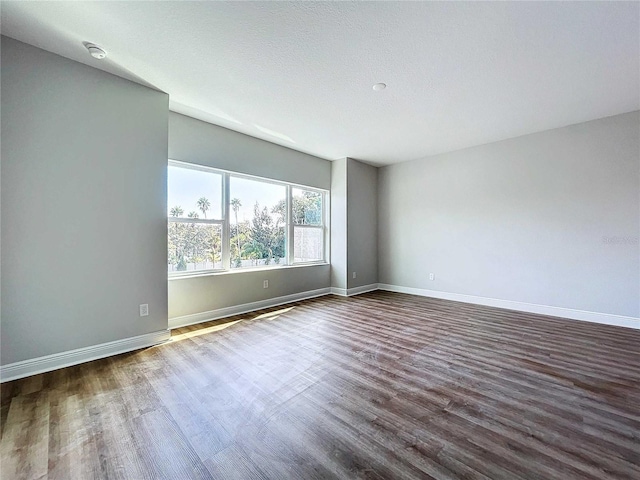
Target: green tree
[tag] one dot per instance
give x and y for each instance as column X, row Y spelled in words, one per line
column 261, row 230
column 193, row 240
column 236, row 204
column 262, row 238
column 307, row 208
column 176, row 240
column 277, row 231
column 203, row 204
column 266, row 235
column 253, row 251
column 214, row 246
column 280, row 209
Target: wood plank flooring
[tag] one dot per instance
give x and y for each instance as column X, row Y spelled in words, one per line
column 378, row 386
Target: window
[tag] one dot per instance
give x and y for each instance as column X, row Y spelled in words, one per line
column 259, row 218
column 225, row 221
column 308, row 229
column 195, row 219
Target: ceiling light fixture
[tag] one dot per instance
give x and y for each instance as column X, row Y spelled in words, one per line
column 95, row 51
column 379, row 86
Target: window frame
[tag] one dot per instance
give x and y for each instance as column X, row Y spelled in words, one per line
column 292, row 225
column 225, row 222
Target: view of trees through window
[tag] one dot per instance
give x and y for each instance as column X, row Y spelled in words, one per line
column 195, row 214
column 256, row 222
column 194, row 246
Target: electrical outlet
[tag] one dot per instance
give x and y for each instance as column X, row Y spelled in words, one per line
column 432, row 276
column 144, row 309
column 265, row 284
column 354, row 274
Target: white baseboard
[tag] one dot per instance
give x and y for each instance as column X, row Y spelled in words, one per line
column 343, row 292
column 596, row 317
column 192, row 319
column 26, row 368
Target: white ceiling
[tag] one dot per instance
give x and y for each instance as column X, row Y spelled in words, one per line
column 300, row 74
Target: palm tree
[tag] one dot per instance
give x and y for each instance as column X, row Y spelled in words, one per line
column 203, row 205
column 236, row 204
column 176, row 211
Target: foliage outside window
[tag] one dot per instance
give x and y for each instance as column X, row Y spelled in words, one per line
column 225, row 221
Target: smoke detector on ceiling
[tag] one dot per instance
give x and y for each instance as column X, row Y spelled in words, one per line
column 95, row 51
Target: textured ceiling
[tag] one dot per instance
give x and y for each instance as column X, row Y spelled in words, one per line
column 300, row 74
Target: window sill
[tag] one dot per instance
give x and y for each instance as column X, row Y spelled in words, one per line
column 210, row 273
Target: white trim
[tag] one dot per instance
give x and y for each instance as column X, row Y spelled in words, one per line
column 192, row 319
column 344, row 292
column 583, row 315
column 202, row 221
column 306, row 225
column 26, row 368
column 362, row 289
column 234, row 271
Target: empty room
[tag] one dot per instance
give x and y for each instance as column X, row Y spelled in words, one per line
column 320, row 240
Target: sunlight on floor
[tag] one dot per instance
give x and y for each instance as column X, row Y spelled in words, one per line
column 203, row 331
column 221, row 326
column 272, row 315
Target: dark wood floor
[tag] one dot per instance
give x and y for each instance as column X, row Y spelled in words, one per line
column 382, row 385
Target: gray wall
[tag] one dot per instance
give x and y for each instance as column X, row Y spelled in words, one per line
column 354, row 243
column 202, row 143
column 362, row 223
column 201, row 294
column 84, row 236
column 551, row 218
column 339, row 223
column 194, row 141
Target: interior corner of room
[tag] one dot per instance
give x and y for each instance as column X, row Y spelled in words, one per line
column 546, row 222
column 320, row 240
